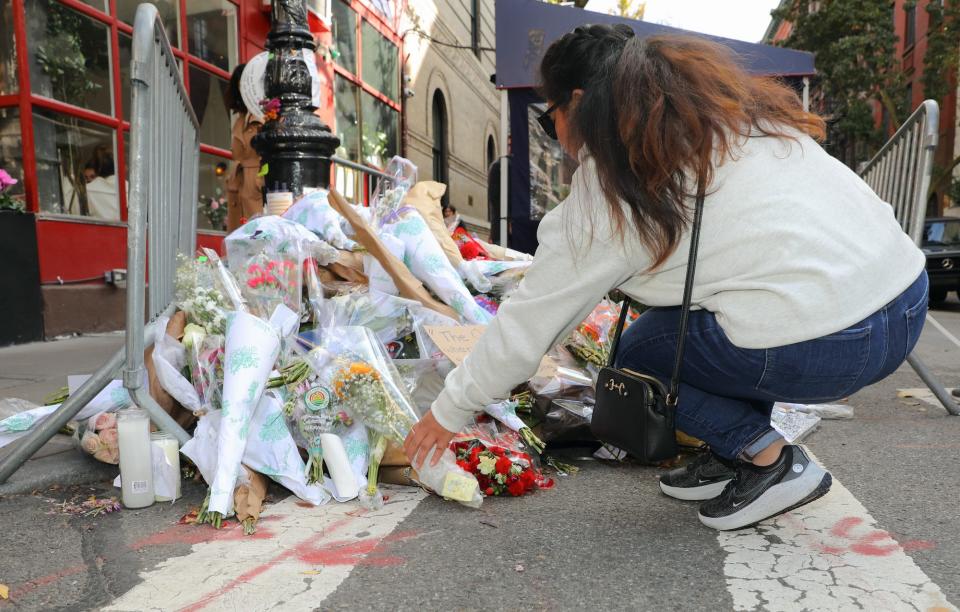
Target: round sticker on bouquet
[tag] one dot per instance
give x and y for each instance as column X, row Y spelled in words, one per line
column 316, row 398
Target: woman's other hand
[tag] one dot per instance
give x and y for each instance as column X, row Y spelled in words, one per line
column 427, row 434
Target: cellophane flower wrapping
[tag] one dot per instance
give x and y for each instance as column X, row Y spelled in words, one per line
column 389, row 193
column 311, row 410
column 267, row 255
column 98, row 437
column 313, row 211
column 497, row 458
column 197, row 294
column 205, row 356
column 368, row 387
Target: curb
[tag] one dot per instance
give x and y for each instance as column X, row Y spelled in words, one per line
column 70, row 467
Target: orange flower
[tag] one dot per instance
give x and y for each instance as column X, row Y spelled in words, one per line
column 360, row 368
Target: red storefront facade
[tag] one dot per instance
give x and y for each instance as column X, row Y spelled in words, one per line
column 64, row 98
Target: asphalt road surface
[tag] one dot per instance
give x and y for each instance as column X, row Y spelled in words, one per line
column 885, row 538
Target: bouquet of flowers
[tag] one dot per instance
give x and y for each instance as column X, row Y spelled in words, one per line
column 100, row 439
column 365, row 385
column 497, row 461
column 198, row 296
column 590, row 341
column 269, row 281
column 6, row 200
column 214, row 208
column 310, row 413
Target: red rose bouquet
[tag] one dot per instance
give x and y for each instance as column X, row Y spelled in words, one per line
column 499, row 464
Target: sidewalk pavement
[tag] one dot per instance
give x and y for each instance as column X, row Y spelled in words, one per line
column 32, row 371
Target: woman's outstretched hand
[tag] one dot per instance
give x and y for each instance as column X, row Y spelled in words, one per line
column 426, row 434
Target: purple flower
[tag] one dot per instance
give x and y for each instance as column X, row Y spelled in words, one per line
column 6, row 180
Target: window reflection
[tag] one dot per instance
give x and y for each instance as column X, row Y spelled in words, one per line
column 348, row 119
column 380, row 126
column 76, row 173
column 8, row 52
column 345, row 35
column 207, row 94
column 69, row 56
column 212, row 192
column 169, row 11
column 11, row 148
column 212, row 32
column 380, row 62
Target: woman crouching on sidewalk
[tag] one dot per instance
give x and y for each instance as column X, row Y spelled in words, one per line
column 806, row 288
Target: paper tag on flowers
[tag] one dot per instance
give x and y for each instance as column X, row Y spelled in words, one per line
column 458, row 487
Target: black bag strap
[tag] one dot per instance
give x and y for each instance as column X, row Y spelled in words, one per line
column 685, row 309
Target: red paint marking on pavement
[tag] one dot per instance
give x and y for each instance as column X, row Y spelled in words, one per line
column 869, row 544
column 253, row 573
column 350, row 553
column 193, row 534
column 32, row 585
column 844, row 525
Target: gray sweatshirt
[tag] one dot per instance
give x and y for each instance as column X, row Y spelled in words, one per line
column 793, row 246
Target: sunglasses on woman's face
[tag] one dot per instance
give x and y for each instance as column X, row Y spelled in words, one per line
column 546, row 122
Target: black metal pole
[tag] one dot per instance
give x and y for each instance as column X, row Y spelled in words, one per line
column 296, row 145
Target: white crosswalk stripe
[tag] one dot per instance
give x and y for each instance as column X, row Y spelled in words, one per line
column 827, row 555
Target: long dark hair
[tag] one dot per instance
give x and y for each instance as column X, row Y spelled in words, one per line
column 233, row 98
column 658, row 111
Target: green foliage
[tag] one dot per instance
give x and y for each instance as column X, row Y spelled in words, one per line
column 63, row 54
column 954, row 192
column 854, row 43
column 942, row 58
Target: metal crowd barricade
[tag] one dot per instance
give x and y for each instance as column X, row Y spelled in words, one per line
column 900, row 174
column 369, row 175
column 164, row 157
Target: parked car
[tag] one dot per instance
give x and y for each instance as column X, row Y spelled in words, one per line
column 941, row 244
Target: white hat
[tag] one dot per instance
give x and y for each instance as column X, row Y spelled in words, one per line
column 253, row 79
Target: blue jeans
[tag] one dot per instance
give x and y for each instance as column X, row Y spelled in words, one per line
column 727, row 393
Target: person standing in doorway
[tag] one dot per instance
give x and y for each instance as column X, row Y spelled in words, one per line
column 244, row 185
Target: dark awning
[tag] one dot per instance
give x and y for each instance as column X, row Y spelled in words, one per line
column 525, row 28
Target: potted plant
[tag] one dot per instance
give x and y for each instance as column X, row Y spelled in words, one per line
column 20, row 283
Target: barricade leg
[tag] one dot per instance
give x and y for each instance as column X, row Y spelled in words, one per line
column 39, row 436
column 931, row 381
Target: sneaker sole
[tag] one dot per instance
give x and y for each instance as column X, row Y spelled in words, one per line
column 766, row 506
column 702, row 493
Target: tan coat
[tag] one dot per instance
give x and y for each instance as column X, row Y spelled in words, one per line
column 244, row 186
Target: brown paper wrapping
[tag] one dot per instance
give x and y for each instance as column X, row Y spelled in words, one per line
column 406, row 282
column 394, row 457
column 248, row 499
column 181, row 415
column 396, row 475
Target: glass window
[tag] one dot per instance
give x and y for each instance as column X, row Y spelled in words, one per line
column 212, row 32
column 76, row 174
column 69, row 56
column 126, row 44
column 8, row 51
column 11, row 147
column 380, row 127
column 348, row 119
column 212, row 192
column 208, row 96
column 345, row 35
column 169, row 11
column 380, row 62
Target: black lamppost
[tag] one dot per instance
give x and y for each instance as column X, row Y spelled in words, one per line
column 296, row 145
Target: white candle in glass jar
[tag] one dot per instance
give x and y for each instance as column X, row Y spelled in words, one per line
column 136, row 465
column 170, row 449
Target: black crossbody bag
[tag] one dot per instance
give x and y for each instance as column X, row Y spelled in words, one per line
column 634, row 411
